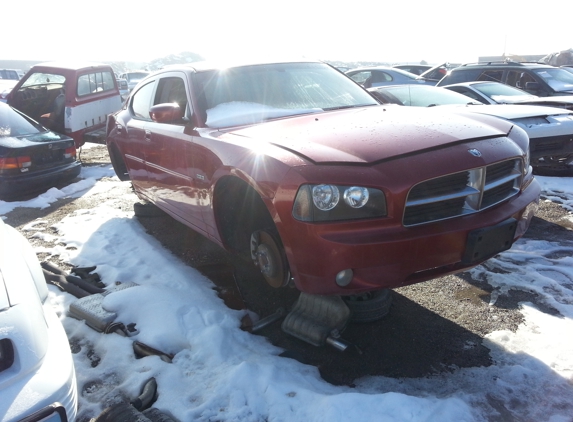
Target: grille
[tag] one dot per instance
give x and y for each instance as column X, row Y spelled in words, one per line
column 462, row 193
column 549, row 143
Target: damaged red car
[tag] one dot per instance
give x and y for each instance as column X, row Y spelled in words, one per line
column 295, row 166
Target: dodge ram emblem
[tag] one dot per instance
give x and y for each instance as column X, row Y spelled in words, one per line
column 474, row 152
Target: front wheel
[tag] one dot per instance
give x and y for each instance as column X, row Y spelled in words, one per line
column 268, row 255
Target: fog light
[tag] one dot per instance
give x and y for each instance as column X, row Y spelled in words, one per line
column 344, row 277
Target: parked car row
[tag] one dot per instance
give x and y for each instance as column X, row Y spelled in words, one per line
column 535, row 78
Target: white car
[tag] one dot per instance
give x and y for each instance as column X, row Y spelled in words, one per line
column 498, row 93
column 37, row 375
column 550, row 129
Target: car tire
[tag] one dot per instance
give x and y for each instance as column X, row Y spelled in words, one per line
column 118, row 164
column 146, row 209
column 369, row 306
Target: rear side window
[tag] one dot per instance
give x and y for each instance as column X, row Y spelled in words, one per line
column 15, row 124
column 456, row 76
column 491, row 76
column 95, row 82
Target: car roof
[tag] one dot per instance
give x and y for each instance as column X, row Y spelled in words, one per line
column 201, row 66
column 503, row 65
column 71, row 65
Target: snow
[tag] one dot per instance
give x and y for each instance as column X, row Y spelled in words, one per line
column 220, row 372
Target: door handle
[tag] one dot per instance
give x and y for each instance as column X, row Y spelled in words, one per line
column 147, row 135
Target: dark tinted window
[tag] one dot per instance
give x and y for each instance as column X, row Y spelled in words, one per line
column 461, row 74
column 379, row 76
column 468, row 93
column 141, row 101
column 171, row 90
column 491, row 75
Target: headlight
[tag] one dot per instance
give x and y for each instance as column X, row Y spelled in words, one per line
column 325, row 197
column 322, row 203
column 521, row 138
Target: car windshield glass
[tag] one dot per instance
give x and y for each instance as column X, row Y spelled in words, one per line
column 136, row 76
column 253, row 94
column 13, row 123
column 493, row 89
column 43, row 78
column 426, row 96
column 558, row 79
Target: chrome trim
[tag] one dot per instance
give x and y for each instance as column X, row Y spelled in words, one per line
column 480, row 192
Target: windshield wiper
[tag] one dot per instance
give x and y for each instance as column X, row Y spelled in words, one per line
column 347, row 106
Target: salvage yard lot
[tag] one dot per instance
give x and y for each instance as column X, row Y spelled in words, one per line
column 487, row 344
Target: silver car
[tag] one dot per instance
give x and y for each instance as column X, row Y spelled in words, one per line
column 550, row 129
column 37, row 375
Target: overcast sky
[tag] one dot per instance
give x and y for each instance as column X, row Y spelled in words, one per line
column 377, row 30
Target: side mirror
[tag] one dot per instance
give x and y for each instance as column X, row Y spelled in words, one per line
column 532, row 86
column 166, row 113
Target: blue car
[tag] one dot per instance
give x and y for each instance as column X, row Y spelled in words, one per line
column 370, row 77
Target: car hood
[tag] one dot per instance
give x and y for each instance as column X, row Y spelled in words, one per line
column 514, row 111
column 370, row 134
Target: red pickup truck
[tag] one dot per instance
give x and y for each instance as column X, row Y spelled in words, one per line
column 69, row 98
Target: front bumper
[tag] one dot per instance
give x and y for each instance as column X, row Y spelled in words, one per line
column 393, row 256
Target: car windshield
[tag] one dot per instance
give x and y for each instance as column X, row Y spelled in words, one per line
column 136, row 76
column 425, row 96
column 253, row 94
column 43, row 78
column 558, row 79
column 13, row 123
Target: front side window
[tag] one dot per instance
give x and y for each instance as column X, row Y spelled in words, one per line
column 558, row 79
column 172, row 90
column 491, row 75
column 141, row 101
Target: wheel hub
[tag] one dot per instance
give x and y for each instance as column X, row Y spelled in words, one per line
column 266, row 255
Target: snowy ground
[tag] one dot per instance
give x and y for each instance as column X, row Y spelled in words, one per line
column 221, row 373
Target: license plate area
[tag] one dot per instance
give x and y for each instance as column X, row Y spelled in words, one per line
column 486, row 242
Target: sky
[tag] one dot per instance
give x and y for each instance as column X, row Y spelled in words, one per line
column 412, row 31
column 220, row 372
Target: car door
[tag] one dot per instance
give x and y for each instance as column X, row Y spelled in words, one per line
column 135, row 148
column 169, row 154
